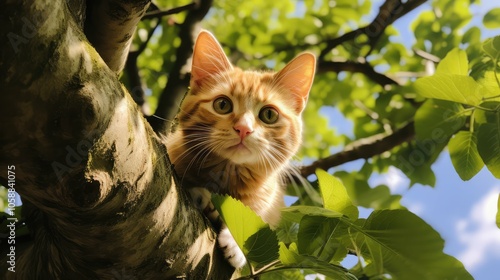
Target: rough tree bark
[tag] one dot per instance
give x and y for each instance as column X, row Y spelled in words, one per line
column 99, row 197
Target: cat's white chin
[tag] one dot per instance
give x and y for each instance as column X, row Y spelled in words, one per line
column 241, row 154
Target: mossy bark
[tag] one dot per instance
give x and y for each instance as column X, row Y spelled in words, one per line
column 98, row 193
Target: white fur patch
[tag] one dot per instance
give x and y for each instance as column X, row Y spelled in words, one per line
column 232, row 251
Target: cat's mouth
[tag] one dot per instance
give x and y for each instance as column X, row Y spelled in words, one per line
column 240, row 153
column 239, row 147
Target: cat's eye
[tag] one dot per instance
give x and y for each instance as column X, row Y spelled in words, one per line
column 223, row 105
column 268, row 115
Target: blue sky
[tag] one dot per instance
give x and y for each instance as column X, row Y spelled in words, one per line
column 462, row 212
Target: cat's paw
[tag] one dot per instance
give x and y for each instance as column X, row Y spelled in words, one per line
column 232, row 251
column 201, row 197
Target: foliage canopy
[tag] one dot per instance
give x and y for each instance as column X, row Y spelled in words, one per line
column 404, row 112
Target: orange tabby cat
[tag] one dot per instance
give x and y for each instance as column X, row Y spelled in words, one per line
column 237, row 132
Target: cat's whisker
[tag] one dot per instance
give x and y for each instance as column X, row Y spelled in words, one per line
column 189, row 151
column 197, row 157
column 209, row 150
column 261, row 161
column 196, row 141
column 270, row 158
column 194, row 158
column 294, row 174
column 280, row 155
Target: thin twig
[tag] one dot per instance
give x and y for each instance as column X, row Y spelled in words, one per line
column 176, row 10
column 351, row 66
column 426, row 55
column 389, row 12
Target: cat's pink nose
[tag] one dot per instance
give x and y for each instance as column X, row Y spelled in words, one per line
column 242, row 130
column 244, row 125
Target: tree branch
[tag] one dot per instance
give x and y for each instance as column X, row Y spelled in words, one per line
column 363, row 149
column 176, row 10
column 389, row 12
column 356, row 67
column 110, row 27
column 135, row 84
column 178, row 80
column 99, row 194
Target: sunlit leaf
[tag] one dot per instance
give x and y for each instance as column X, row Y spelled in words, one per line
column 295, row 213
column 464, row 154
column 455, row 62
column 491, row 85
column 362, row 194
column 456, row 88
column 490, row 20
column 335, row 196
column 240, row 219
column 289, row 255
column 437, row 120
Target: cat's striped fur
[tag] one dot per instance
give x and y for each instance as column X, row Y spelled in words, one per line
column 238, row 129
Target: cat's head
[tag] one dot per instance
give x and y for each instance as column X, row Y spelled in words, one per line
column 247, row 117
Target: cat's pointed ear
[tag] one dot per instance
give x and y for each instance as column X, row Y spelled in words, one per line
column 208, row 58
column 297, row 77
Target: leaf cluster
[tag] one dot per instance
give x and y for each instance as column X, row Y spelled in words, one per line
column 388, row 244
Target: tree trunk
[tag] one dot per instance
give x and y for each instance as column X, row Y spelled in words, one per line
column 98, row 193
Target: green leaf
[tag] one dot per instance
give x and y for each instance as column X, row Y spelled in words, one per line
column 241, row 220
column 376, row 264
column 317, row 237
column 491, row 19
column 287, row 231
column 335, row 195
column 295, row 213
column 451, row 87
column 488, row 113
column 416, row 158
column 490, row 84
column 294, row 274
column 362, row 194
column 455, row 62
column 464, row 154
column 409, row 247
column 498, row 212
column 437, row 120
column 262, row 246
column 472, row 36
column 290, row 257
column 491, row 46
column 488, row 135
column 422, row 174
